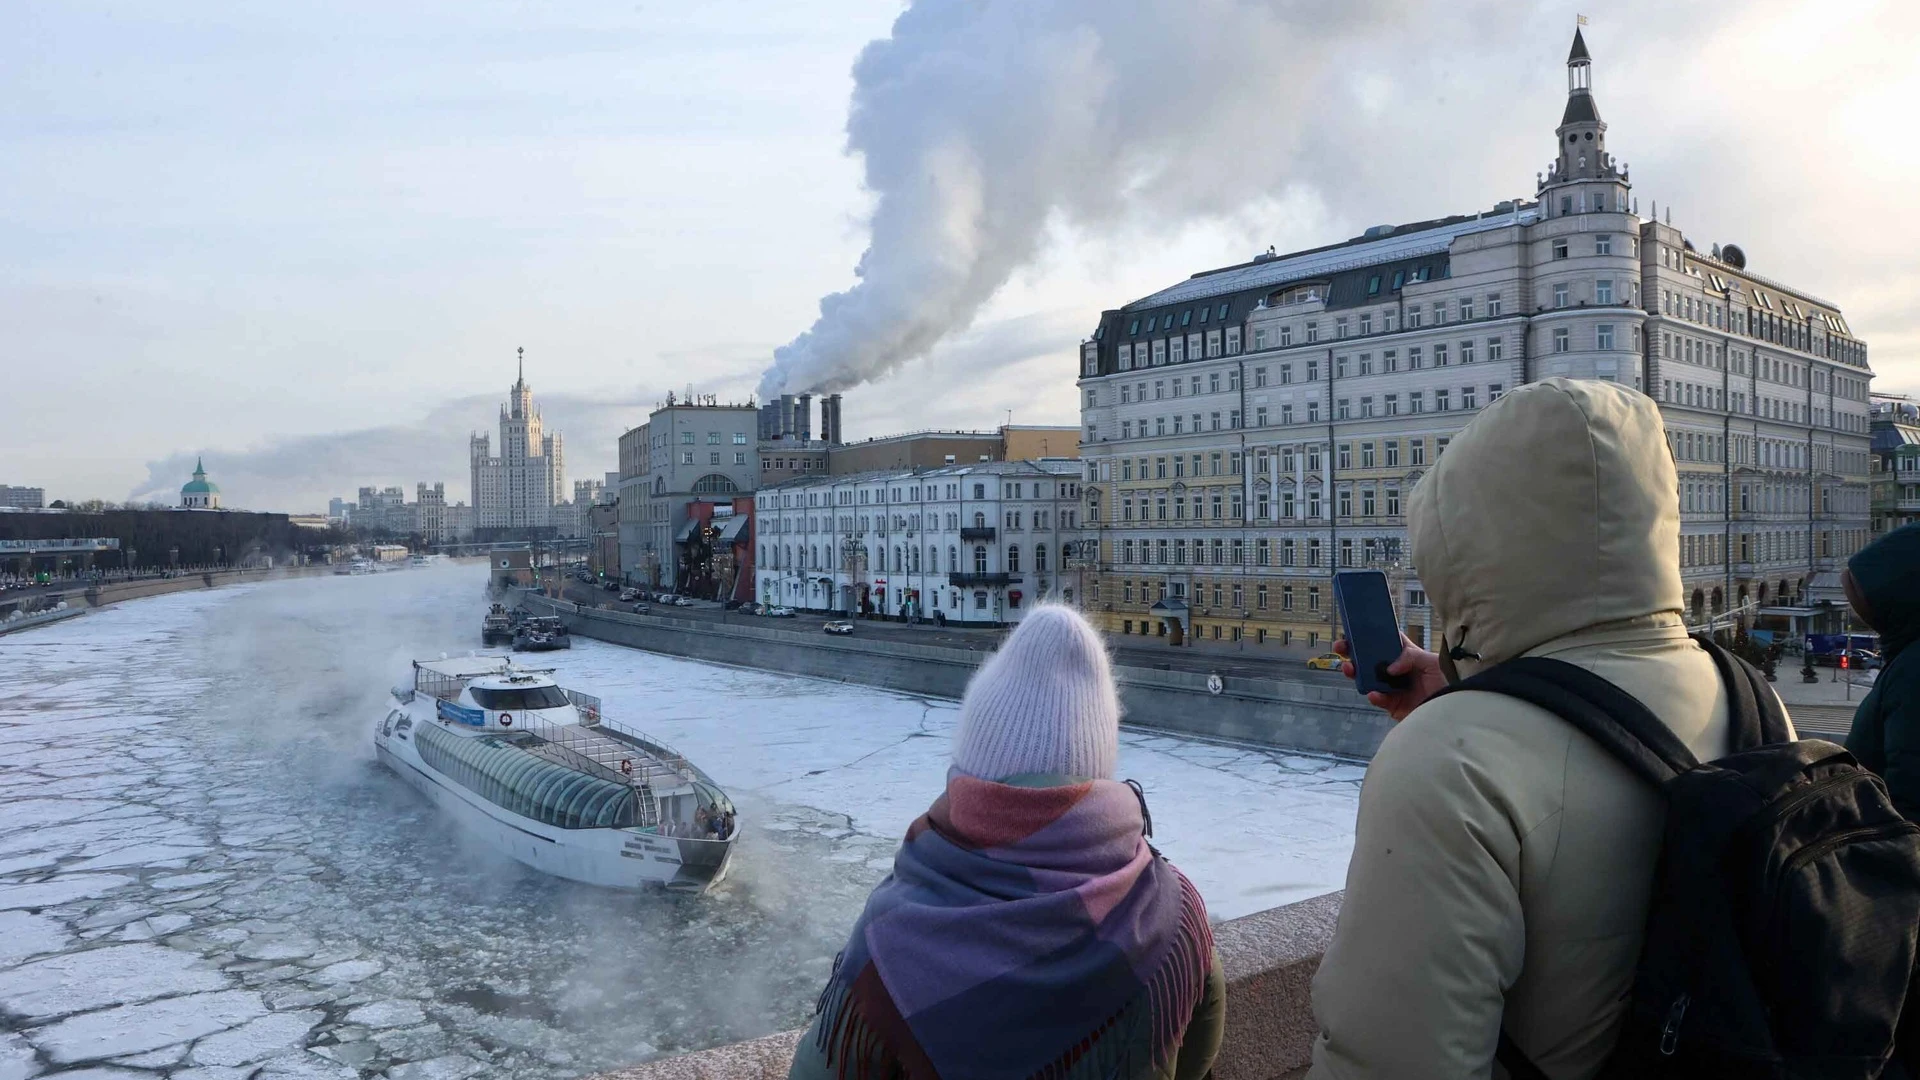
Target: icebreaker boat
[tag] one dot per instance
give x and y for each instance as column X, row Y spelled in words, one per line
column 535, row 771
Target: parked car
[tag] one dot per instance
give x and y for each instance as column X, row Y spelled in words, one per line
column 731, row 605
column 629, row 595
column 611, row 586
column 838, row 626
column 1326, row 662
column 781, row 613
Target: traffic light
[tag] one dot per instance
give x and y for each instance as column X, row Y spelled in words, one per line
column 1843, row 662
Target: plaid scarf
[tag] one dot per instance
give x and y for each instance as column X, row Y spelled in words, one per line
column 1024, row 932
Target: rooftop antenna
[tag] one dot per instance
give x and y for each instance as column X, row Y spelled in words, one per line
column 523, row 363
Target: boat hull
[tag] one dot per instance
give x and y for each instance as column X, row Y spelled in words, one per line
column 614, row 858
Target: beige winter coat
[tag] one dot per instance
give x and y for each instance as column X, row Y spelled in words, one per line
column 1502, row 861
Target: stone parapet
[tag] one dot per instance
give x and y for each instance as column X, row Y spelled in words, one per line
column 1269, row 957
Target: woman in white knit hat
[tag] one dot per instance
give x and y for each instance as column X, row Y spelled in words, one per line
column 1027, row 929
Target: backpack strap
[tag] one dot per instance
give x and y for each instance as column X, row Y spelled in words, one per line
column 1518, row 1065
column 1754, row 711
column 1602, row 711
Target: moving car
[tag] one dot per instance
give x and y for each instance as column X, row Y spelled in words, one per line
column 610, row 586
column 838, row 627
column 682, row 601
column 780, row 613
column 627, row 596
column 641, row 609
column 1326, row 662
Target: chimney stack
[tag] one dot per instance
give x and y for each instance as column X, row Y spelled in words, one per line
column 786, row 416
column 803, row 418
column 839, row 435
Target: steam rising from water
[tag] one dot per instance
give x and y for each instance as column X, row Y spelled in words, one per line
column 982, row 122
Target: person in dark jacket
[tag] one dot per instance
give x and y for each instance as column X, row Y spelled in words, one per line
column 1883, row 585
column 1028, row 929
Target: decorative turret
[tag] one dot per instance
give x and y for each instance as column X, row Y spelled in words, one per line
column 1582, row 146
column 200, row 493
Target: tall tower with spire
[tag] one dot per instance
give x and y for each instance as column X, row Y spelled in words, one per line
column 519, row 488
column 1583, row 178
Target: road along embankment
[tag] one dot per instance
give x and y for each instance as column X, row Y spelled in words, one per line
column 1270, row 712
column 115, row 592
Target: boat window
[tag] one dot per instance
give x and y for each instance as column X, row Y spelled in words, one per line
column 520, row 697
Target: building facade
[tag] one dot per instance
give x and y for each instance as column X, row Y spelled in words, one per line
column 631, row 502
column 699, row 451
column 1252, row 429
column 518, row 489
column 977, row 543
column 1896, row 465
column 430, row 512
column 22, row 498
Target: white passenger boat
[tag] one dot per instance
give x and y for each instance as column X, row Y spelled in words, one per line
column 534, row 770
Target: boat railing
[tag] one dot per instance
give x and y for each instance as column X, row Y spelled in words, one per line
column 587, row 705
column 674, row 759
column 604, row 756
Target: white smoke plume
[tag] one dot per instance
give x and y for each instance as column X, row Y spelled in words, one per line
column 982, row 123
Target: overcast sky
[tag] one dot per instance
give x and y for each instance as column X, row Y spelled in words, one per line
column 305, row 240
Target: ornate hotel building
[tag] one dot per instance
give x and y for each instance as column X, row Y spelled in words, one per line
column 1251, row 429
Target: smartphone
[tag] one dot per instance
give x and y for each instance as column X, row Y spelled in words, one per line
column 1373, row 634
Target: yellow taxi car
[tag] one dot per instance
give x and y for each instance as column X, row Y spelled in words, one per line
column 1326, row 662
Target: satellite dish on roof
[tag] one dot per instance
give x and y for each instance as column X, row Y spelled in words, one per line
column 1733, row 256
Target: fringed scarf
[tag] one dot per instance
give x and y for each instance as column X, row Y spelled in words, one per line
column 1024, row 932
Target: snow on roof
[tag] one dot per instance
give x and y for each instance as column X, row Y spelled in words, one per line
column 1274, row 272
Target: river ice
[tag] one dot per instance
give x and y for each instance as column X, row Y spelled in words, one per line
column 205, row 876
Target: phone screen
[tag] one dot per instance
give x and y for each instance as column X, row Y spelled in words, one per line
column 1373, row 634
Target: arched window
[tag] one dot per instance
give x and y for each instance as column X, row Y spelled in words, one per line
column 979, row 560
column 1039, row 557
column 953, row 561
column 899, row 560
column 763, row 553
column 789, row 558
column 1013, row 559
column 915, row 554
column 979, row 520
column 714, row 484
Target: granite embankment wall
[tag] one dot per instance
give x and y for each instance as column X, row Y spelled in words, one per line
column 213, row 579
column 41, row 618
column 1271, row 712
column 1269, row 959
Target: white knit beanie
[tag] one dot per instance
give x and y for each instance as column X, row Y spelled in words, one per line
column 1044, row 703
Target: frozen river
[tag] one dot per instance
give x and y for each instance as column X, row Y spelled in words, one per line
column 205, row 876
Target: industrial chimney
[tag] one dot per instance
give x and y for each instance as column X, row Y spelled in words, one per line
column 803, row 418
column 786, row 416
column 838, row 435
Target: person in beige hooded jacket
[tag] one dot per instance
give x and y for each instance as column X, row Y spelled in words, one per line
column 1502, row 861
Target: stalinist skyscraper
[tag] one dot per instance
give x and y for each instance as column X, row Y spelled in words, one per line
column 519, row 488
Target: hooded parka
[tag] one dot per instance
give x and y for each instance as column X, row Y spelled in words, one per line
column 1502, row 861
column 1886, row 729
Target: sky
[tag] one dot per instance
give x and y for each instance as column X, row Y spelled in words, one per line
column 306, row 240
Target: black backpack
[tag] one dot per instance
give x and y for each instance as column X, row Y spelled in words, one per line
column 1780, row 939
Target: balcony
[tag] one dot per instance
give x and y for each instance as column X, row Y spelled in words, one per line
column 977, row 532
column 971, row 580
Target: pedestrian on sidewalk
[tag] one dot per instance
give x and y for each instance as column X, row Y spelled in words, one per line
column 1028, row 928
column 1503, row 862
column 1882, row 582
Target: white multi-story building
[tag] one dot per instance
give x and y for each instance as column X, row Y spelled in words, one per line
column 519, row 488
column 1250, row 429
column 22, row 498
column 977, row 543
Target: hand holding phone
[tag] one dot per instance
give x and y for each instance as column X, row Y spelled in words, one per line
column 1422, row 669
column 1372, row 631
